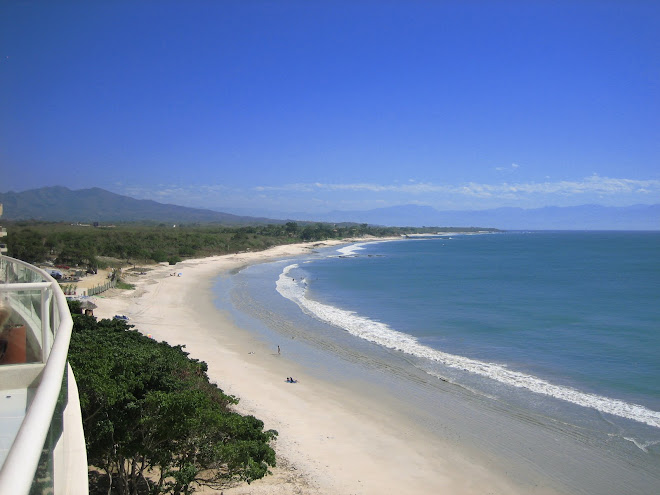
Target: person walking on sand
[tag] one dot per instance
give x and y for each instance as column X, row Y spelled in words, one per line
column 278, row 349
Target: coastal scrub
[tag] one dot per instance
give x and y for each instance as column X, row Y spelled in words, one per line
column 152, row 419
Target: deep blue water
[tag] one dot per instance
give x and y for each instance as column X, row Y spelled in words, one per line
column 577, row 309
column 563, row 325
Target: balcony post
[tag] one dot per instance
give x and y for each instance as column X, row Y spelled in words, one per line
column 45, row 324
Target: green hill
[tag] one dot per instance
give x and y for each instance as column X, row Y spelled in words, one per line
column 60, row 204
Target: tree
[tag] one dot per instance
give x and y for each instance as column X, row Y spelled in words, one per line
column 158, row 255
column 148, row 408
column 27, row 245
column 291, row 228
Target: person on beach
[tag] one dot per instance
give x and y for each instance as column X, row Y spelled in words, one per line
column 278, row 349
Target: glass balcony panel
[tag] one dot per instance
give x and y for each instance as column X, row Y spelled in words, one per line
column 12, row 273
column 21, row 339
column 43, row 482
column 37, row 456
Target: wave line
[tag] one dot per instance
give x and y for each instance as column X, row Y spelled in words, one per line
column 381, row 334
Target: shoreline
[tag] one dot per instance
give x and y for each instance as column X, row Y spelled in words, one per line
column 332, row 440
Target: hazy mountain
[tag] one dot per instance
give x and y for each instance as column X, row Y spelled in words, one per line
column 98, row 205
column 585, row 217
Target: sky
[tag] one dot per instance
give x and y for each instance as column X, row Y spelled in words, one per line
column 313, row 106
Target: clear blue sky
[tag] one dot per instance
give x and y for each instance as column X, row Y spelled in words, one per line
column 320, row 105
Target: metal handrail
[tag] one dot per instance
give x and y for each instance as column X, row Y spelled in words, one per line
column 17, row 472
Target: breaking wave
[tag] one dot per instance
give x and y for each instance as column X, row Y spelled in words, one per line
column 381, row 334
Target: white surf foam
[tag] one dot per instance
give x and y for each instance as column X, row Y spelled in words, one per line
column 643, row 446
column 381, row 334
column 350, row 250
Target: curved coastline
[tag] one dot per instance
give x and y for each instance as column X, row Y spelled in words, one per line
column 381, row 334
column 331, row 440
column 337, row 437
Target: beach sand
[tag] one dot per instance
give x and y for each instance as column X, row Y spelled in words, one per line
column 331, row 439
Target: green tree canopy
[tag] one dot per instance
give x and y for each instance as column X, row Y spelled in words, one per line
column 148, row 408
column 29, row 245
column 83, row 245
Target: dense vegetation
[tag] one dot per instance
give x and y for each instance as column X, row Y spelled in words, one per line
column 82, row 245
column 153, row 421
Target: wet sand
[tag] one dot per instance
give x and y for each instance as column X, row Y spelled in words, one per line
column 332, row 440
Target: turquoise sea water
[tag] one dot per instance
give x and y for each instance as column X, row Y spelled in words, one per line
column 562, row 328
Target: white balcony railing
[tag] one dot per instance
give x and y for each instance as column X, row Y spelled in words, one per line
column 35, row 460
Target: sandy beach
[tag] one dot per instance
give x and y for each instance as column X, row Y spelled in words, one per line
column 332, row 440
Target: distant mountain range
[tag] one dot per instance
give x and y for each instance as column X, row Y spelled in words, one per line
column 59, row 203
column 98, row 205
column 585, row 217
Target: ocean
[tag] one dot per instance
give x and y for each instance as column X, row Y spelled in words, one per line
column 535, row 349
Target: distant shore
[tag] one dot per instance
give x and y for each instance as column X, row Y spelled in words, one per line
column 331, row 440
